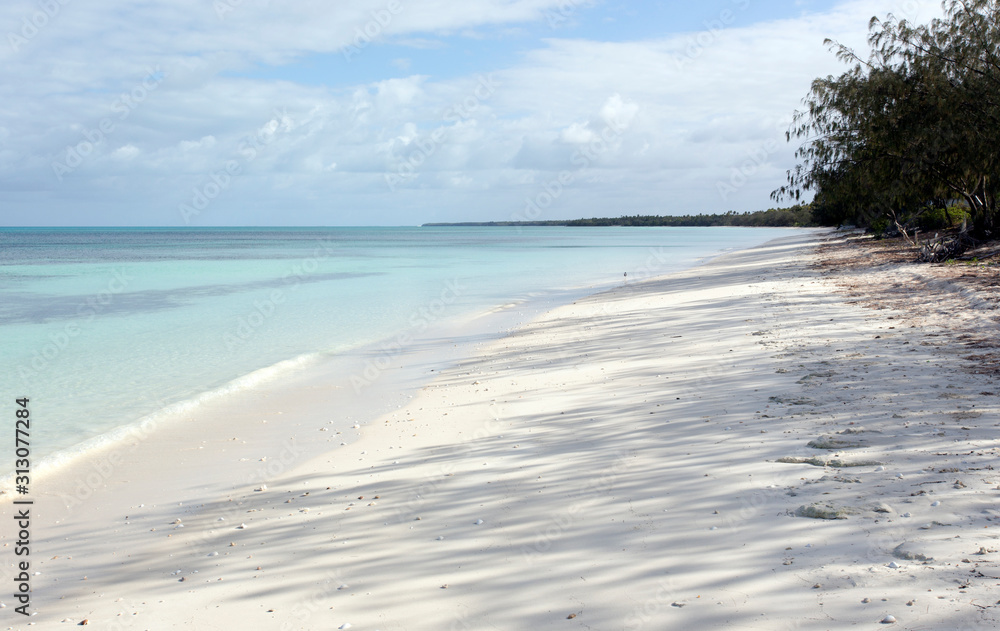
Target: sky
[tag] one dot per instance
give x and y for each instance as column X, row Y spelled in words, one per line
column 401, row 112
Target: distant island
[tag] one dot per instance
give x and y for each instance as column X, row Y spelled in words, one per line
column 798, row 216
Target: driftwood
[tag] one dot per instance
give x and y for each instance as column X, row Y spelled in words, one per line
column 949, row 246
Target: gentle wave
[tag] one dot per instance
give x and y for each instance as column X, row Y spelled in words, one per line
column 142, row 428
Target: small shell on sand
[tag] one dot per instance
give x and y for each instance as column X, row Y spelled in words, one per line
column 213, row 554
column 889, row 620
column 479, row 521
column 346, row 625
column 241, row 527
column 893, row 565
column 262, row 487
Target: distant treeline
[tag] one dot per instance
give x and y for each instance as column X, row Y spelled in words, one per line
column 798, row 216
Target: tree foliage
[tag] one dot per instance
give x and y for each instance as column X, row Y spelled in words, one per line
column 798, row 216
column 910, row 128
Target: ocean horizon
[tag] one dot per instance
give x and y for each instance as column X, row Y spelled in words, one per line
column 105, row 327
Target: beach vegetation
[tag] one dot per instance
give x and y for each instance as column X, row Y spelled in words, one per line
column 797, row 216
column 906, row 139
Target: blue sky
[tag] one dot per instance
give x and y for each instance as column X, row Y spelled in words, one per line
column 400, row 112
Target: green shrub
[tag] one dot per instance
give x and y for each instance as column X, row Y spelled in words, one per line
column 878, row 227
column 941, row 218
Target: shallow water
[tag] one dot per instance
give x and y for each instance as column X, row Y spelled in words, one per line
column 102, row 327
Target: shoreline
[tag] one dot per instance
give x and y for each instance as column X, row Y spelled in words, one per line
column 612, row 463
column 487, row 324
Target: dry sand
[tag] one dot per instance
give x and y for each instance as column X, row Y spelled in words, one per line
column 645, row 458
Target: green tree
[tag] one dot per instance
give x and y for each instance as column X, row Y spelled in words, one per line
column 915, row 124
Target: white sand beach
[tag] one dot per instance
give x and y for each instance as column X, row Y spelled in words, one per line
column 657, row 456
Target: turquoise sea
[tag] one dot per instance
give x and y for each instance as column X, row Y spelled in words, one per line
column 103, row 327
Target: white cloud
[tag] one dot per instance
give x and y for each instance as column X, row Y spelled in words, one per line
column 688, row 115
column 126, row 152
column 207, row 142
column 577, row 133
column 617, row 112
